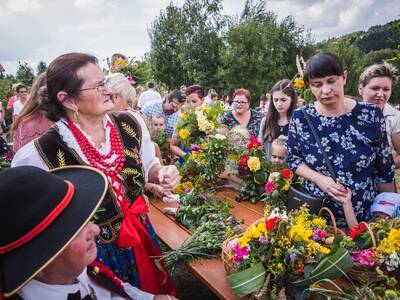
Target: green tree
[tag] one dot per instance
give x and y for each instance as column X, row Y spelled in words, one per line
column 186, row 43
column 41, row 67
column 260, row 50
column 25, row 74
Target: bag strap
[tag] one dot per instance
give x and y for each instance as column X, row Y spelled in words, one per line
column 314, row 132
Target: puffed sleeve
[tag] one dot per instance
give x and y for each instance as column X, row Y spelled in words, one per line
column 28, row 156
column 295, row 155
column 384, row 166
column 147, row 150
column 135, row 293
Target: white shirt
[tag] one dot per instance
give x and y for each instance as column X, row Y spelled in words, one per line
column 29, row 156
column 36, row 290
column 392, row 120
column 17, row 107
column 148, row 96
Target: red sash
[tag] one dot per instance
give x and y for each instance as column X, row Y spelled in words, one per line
column 134, row 234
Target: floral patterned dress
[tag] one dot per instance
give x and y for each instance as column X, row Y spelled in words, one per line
column 357, row 147
column 253, row 125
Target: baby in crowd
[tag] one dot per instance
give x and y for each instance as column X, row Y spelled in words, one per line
column 386, row 205
column 278, row 150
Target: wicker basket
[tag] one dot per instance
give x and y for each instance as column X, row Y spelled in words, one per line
column 229, row 266
column 335, row 229
column 360, row 271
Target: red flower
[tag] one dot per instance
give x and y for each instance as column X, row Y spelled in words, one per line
column 287, row 174
column 270, row 224
column 243, row 161
column 269, row 187
column 362, row 227
column 354, row 231
column 254, row 143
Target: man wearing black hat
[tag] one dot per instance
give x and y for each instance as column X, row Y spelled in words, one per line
column 47, row 238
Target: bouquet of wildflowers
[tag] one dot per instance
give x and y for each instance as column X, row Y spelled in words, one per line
column 253, row 168
column 298, row 82
column 137, row 72
column 194, row 124
column 295, row 249
column 277, row 187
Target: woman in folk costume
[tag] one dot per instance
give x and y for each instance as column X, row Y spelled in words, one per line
column 119, row 145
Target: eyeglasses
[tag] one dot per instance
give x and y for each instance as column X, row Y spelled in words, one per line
column 240, row 102
column 100, row 87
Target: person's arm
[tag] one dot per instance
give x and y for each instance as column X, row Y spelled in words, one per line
column 175, row 147
column 156, row 189
column 384, row 164
column 348, row 209
column 396, row 147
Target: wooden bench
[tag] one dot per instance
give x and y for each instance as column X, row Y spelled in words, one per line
column 209, row 271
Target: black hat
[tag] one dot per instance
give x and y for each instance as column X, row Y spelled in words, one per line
column 40, row 214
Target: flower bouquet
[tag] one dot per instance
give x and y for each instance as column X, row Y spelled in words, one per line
column 295, row 250
column 205, row 241
column 253, row 168
column 298, row 82
column 374, row 245
column 137, row 72
column 163, row 141
column 195, row 209
column 194, row 124
column 277, row 187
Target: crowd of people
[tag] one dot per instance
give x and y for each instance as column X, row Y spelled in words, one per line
column 85, row 149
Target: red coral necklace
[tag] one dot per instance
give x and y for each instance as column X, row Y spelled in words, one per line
column 95, row 158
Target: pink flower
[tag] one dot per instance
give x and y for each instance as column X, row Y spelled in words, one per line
column 269, row 187
column 195, row 148
column 364, row 257
column 241, row 253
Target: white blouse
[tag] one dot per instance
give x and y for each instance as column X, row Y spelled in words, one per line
column 36, row 290
column 29, row 156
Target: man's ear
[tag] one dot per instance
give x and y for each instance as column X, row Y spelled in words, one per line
column 66, row 101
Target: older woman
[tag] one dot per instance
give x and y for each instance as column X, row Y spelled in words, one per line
column 242, row 114
column 376, row 86
column 353, row 136
column 124, row 94
column 119, row 145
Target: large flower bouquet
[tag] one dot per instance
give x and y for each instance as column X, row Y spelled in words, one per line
column 253, row 168
column 294, row 250
column 375, row 245
column 195, row 124
column 277, row 187
column 137, row 72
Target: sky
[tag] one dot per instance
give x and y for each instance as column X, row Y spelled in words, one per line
column 35, row 30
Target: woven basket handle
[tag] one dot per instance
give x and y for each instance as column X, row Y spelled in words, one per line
column 333, row 219
column 371, row 233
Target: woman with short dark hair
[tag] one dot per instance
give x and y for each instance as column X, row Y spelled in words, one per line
column 353, row 136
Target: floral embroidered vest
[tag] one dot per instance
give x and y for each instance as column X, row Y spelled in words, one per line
column 55, row 153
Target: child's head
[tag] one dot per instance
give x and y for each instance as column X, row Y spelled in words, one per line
column 239, row 136
column 157, row 124
column 385, row 205
column 278, row 150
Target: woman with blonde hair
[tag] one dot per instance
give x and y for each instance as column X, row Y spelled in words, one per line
column 31, row 122
column 124, row 94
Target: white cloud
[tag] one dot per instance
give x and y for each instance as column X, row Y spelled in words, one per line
column 22, row 5
column 88, row 3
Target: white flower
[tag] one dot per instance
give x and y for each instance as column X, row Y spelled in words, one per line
column 219, row 136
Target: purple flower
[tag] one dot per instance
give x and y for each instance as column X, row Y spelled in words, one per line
column 364, row 257
column 316, row 235
column 293, row 257
column 241, row 253
column 264, row 240
column 195, row 148
column 241, row 171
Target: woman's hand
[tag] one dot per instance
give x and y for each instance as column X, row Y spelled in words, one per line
column 346, row 200
column 168, row 177
column 332, row 188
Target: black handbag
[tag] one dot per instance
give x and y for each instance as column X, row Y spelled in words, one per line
column 298, row 194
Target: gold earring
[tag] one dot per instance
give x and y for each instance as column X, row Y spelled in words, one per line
column 76, row 115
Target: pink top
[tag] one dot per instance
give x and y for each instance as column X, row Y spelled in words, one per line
column 30, row 129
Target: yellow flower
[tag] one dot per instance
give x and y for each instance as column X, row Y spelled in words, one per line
column 390, row 243
column 207, row 109
column 319, row 222
column 184, row 117
column 229, row 256
column 184, row 133
column 298, row 83
column 286, row 186
column 324, row 250
column 254, row 163
column 299, row 232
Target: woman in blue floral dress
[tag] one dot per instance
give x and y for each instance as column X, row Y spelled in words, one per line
column 353, row 136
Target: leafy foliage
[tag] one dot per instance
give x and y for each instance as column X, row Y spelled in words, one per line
column 41, row 67
column 25, row 74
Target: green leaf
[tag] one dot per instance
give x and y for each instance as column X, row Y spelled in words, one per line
column 247, row 281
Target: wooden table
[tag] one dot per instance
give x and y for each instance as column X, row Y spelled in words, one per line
column 210, row 271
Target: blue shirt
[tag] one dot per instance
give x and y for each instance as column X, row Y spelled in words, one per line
column 357, row 147
column 155, row 108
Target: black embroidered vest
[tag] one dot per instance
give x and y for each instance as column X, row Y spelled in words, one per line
column 55, row 153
